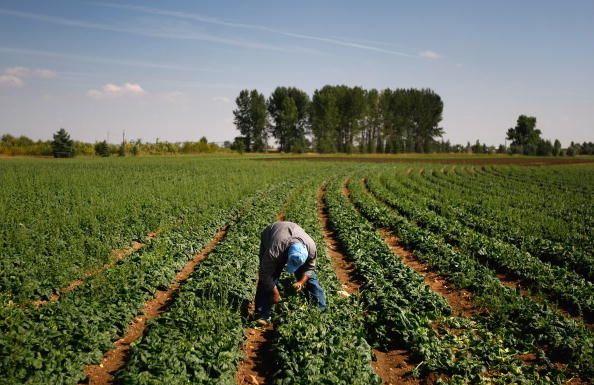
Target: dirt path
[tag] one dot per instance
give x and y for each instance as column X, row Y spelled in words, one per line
column 256, row 366
column 393, row 366
column 116, row 358
column 343, row 267
column 116, row 256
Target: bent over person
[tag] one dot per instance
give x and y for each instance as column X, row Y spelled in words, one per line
column 286, row 244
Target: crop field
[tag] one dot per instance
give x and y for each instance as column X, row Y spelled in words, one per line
column 443, row 271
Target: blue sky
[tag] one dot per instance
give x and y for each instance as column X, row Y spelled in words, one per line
column 172, row 69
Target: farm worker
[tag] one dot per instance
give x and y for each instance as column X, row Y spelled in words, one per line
column 286, row 244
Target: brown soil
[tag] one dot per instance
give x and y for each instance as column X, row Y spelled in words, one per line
column 256, row 368
column 394, row 367
column 460, row 300
column 344, row 269
column 522, row 161
column 257, row 365
column 116, row 358
column 116, row 256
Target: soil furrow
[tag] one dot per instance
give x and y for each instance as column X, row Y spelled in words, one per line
column 393, row 366
column 343, row 267
column 256, row 366
column 116, row 256
column 116, row 358
column 507, row 280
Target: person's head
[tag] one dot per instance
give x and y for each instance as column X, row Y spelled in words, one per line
column 297, row 256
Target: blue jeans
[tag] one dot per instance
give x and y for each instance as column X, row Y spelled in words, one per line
column 313, row 291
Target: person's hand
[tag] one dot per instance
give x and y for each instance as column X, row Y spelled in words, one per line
column 298, row 286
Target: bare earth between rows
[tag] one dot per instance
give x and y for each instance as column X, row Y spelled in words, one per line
column 393, row 366
column 116, row 358
column 256, row 366
column 460, row 300
column 116, row 256
column 506, row 279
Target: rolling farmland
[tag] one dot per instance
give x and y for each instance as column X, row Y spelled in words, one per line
column 143, row 270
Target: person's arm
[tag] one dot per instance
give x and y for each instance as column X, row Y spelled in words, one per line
column 299, row 284
column 276, row 298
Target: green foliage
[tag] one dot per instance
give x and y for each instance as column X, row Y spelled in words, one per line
column 346, row 119
column 535, row 326
column 526, row 138
column 102, row 149
column 289, row 110
column 62, row 145
column 251, row 119
column 313, row 347
column 63, row 219
column 404, row 312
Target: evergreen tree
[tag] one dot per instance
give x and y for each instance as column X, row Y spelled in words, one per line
column 62, row 145
column 557, row 148
column 102, row 149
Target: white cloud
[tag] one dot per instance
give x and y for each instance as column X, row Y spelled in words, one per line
column 428, row 54
column 114, row 90
column 222, row 99
column 14, row 77
column 10, row 81
column 24, row 72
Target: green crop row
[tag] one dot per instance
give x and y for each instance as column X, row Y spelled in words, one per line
column 441, row 201
column 403, row 312
column 52, row 344
column 199, row 339
column 537, row 212
column 63, row 218
column 564, row 287
column 573, row 182
column 523, row 323
column 313, row 347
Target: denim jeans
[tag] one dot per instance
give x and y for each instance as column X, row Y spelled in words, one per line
column 313, row 291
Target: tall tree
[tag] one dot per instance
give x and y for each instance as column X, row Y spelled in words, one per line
column 352, row 108
column 242, row 118
column 373, row 123
column 524, row 137
column 290, row 137
column 259, row 121
column 251, row 119
column 62, row 145
column 557, row 148
column 324, row 119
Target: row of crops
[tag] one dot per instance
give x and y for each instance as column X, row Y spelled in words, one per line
column 436, row 212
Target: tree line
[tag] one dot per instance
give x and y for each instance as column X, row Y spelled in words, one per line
column 339, row 119
column 62, row 146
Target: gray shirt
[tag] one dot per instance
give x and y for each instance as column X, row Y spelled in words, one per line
column 274, row 245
